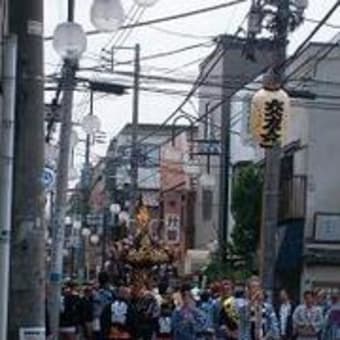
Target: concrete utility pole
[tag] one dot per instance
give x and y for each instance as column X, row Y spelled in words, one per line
column 58, row 230
column 27, row 282
column 224, row 173
column 135, row 118
column 6, row 174
column 273, row 161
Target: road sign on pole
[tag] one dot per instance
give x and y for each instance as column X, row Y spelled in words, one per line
column 48, row 178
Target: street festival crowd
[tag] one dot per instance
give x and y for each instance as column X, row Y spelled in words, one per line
column 220, row 311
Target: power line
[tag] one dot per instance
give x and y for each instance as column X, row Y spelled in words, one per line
column 171, row 17
column 127, row 33
column 166, row 53
column 316, row 21
column 181, row 34
column 129, row 19
column 304, row 45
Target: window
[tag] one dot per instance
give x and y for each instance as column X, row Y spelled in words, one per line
column 207, row 204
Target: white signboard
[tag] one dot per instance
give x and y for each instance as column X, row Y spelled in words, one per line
column 327, row 228
column 172, row 227
column 32, row 333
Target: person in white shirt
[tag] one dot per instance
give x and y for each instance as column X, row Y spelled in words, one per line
column 308, row 319
column 285, row 316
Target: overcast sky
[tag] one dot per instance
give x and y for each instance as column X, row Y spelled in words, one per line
column 115, row 112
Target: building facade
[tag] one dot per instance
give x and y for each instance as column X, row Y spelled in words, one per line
column 313, row 165
column 227, row 71
column 308, row 232
column 177, row 195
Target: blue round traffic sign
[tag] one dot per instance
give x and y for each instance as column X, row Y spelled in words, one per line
column 48, row 178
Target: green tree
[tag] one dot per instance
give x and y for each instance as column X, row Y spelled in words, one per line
column 246, row 210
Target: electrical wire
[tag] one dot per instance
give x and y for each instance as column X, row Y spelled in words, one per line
column 171, row 17
column 129, row 18
column 304, row 45
column 167, row 53
column 127, row 33
column 316, row 21
column 181, row 34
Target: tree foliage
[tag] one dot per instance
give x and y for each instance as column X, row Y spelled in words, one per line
column 246, row 210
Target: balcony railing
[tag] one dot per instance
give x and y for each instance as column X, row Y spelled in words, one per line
column 293, row 198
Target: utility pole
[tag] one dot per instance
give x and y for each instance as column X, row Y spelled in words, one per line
column 273, row 159
column 6, row 174
column 58, row 231
column 224, row 168
column 134, row 150
column 27, row 281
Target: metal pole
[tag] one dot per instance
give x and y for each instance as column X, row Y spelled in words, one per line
column 134, row 151
column 105, row 235
column 224, row 172
column 28, row 249
column 6, row 174
column 272, row 165
column 58, row 232
column 85, row 184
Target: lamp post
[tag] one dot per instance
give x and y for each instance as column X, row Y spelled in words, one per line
column 70, row 43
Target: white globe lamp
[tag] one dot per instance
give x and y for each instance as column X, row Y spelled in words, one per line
column 86, row 232
column 115, row 209
column 94, row 239
column 68, row 220
column 69, row 40
column 145, row 3
column 107, row 15
column 77, row 225
column 91, row 124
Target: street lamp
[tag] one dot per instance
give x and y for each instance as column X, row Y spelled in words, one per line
column 94, row 239
column 68, row 220
column 107, row 15
column 145, row 3
column 115, row 209
column 77, row 225
column 86, row 232
column 91, row 124
column 69, row 40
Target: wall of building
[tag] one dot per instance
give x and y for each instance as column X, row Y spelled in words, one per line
column 176, row 195
column 316, row 125
column 230, row 74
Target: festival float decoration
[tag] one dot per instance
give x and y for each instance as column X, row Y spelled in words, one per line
column 142, row 254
